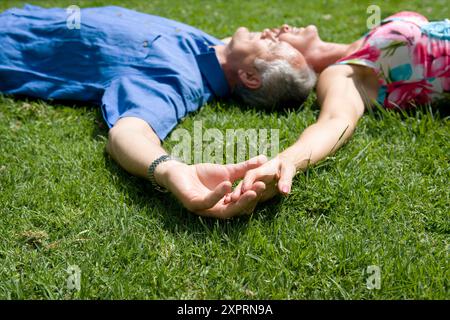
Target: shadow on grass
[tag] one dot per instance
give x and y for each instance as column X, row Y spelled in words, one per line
column 174, row 217
column 169, row 211
column 284, row 107
column 439, row 110
column 165, row 207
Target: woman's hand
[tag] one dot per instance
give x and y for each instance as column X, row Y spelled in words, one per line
column 201, row 188
column 277, row 175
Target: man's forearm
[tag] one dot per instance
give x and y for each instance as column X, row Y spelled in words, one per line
column 134, row 145
column 200, row 188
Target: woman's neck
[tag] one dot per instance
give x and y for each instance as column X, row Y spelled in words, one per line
column 323, row 54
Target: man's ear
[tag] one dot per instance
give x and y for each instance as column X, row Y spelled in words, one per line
column 250, row 78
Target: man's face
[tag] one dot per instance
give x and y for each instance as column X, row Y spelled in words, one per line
column 245, row 46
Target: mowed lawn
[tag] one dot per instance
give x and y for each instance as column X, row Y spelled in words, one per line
column 381, row 203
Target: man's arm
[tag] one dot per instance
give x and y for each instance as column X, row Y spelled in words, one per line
column 134, row 145
column 200, row 188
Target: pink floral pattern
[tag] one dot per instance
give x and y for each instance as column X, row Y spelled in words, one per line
column 413, row 68
column 368, row 52
column 403, row 93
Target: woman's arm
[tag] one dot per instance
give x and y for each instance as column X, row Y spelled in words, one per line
column 342, row 105
column 341, row 108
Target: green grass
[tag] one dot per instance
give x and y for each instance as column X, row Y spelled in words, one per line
column 383, row 199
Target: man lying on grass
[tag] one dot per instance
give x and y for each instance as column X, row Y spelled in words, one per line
column 147, row 73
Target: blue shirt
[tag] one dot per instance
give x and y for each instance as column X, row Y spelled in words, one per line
column 130, row 63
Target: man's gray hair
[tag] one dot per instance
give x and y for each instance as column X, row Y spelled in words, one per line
column 281, row 84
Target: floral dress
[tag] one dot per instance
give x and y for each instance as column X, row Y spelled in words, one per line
column 411, row 57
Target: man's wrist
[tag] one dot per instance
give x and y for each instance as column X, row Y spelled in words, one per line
column 163, row 170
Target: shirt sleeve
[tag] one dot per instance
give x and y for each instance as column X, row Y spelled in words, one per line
column 159, row 104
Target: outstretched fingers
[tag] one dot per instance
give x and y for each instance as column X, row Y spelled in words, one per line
column 287, row 173
column 238, row 170
column 259, row 187
column 244, row 205
column 265, row 173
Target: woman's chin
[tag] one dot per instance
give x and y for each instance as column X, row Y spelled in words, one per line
column 312, row 29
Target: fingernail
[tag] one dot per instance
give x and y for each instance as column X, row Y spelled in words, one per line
column 285, row 189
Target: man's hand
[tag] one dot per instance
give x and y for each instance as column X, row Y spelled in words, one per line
column 277, row 175
column 202, row 188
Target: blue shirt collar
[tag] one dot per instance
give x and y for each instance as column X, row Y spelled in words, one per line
column 210, row 68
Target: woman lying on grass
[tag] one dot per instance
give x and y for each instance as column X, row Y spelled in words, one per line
column 401, row 63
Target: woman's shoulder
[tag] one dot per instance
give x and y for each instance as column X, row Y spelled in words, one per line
column 345, row 80
column 346, row 70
